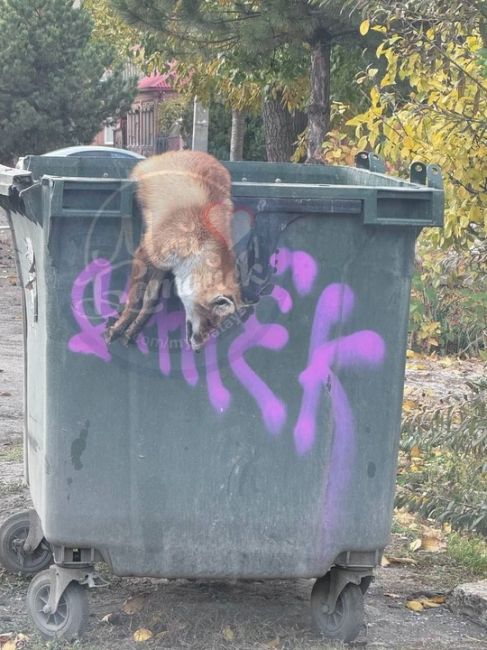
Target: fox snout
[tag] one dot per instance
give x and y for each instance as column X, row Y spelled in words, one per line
column 195, row 340
column 204, row 320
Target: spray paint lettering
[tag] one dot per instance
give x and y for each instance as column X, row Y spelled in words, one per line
column 326, row 356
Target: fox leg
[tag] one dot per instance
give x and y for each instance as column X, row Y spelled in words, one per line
column 150, row 300
column 142, row 271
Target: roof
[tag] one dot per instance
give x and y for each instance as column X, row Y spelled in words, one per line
column 154, row 81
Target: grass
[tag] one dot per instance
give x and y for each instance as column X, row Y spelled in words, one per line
column 442, row 469
column 469, row 551
column 12, row 454
column 13, row 487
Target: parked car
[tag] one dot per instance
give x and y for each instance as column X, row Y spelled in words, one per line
column 88, row 151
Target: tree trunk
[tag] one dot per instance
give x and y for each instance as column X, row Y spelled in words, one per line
column 281, row 129
column 237, row 135
column 320, row 105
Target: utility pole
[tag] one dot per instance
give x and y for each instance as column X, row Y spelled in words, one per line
column 200, row 127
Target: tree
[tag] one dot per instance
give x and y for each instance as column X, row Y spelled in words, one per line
column 57, row 86
column 253, row 36
column 430, row 103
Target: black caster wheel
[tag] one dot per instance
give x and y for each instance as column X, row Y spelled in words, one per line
column 69, row 620
column 345, row 623
column 13, row 533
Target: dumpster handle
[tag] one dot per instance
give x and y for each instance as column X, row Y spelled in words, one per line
column 13, row 181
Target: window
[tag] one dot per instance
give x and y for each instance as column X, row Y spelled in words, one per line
column 108, row 134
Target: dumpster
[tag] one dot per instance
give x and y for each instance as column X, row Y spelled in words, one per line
column 272, row 453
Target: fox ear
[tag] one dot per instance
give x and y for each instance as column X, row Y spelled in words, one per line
column 222, row 305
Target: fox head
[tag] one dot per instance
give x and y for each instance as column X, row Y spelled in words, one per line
column 208, row 298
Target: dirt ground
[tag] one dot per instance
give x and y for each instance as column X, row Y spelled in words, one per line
column 202, row 615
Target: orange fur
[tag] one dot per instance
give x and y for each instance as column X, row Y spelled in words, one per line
column 185, row 197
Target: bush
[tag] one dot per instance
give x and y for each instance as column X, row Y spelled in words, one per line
column 449, row 301
column 443, row 473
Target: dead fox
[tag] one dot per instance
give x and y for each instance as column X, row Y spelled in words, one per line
column 185, row 198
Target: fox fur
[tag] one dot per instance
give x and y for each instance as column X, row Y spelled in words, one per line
column 185, row 198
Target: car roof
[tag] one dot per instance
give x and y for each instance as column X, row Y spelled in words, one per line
column 92, row 150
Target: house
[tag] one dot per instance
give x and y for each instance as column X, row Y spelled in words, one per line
column 139, row 130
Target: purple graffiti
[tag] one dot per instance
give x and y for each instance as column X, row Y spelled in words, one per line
column 218, row 395
column 303, row 268
column 167, row 322
column 90, row 339
column 334, row 307
column 271, row 337
column 283, row 299
column 326, row 357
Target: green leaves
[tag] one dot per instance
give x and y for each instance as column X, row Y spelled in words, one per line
column 54, row 90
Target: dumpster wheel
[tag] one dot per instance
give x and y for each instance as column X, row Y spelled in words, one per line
column 13, row 533
column 345, row 622
column 69, row 620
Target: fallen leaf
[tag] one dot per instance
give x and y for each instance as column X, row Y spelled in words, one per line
column 401, row 560
column 440, row 600
column 142, row 634
column 428, row 604
column 228, row 633
column 21, row 637
column 10, row 645
column 275, row 643
column 392, row 595
column 432, row 543
column 446, row 362
column 414, row 605
column 113, row 618
column 410, row 354
column 415, row 453
column 409, row 405
column 12, row 280
column 384, row 561
column 6, row 637
column 415, row 545
column 134, row 604
column 405, row 518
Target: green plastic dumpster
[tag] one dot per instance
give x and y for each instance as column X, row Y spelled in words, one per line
column 272, row 454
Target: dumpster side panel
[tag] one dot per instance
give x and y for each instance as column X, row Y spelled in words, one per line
column 29, row 250
column 268, row 454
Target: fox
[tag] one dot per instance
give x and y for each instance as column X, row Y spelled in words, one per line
column 187, row 210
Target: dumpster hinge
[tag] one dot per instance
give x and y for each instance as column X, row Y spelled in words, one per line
column 370, row 161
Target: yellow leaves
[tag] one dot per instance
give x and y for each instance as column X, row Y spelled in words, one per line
column 374, row 96
column 415, row 453
column 405, row 518
column 364, row 27
column 228, row 634
column 409, row 405
column 12, row 641
column 414, row 605
column 443, row 121
column 142, row 634
column 431, row 542
column 388, row 560
column 420, row 604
